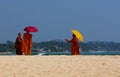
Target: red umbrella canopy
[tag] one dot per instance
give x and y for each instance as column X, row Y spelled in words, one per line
column 31, row 29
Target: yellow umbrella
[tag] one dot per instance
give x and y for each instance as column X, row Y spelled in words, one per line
column 78, row 35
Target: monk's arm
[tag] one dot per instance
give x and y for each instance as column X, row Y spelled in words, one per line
column 68, row 40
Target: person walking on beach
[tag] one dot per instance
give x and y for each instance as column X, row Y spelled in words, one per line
column 18, row 44
column 74, row 45
column 27, row 37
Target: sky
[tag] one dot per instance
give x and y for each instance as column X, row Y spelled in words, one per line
column 97, row 20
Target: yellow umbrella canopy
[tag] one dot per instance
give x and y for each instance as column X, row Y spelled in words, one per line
column 78, row 35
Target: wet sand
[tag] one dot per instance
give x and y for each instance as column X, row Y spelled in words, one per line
column 59, row 66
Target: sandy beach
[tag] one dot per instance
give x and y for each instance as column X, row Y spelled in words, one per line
column 59, row 66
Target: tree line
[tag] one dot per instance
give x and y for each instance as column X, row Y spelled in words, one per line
column 61, row 46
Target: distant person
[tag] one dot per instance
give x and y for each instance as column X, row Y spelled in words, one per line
column 18, row 44
column 27, row 37
column 74, row 45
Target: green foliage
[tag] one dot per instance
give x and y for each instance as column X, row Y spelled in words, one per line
column 101, row 46
column 61, row 46
column 52, row 46
column 7, row 47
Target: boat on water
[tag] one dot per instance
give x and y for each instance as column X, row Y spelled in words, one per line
column 40, row 54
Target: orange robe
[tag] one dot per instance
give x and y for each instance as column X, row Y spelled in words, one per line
column 75, row 46
column 18, row 46
column 27, row 43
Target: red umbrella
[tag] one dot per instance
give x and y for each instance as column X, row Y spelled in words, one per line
column 31, row 29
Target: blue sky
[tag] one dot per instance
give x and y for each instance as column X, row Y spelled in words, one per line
column 95, row 19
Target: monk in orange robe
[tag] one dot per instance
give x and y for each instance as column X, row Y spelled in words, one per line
column 18, row 44
column 27, row 43
column 74, row 45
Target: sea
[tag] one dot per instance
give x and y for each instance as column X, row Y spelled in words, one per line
column 84, row 53
column 68, row 53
